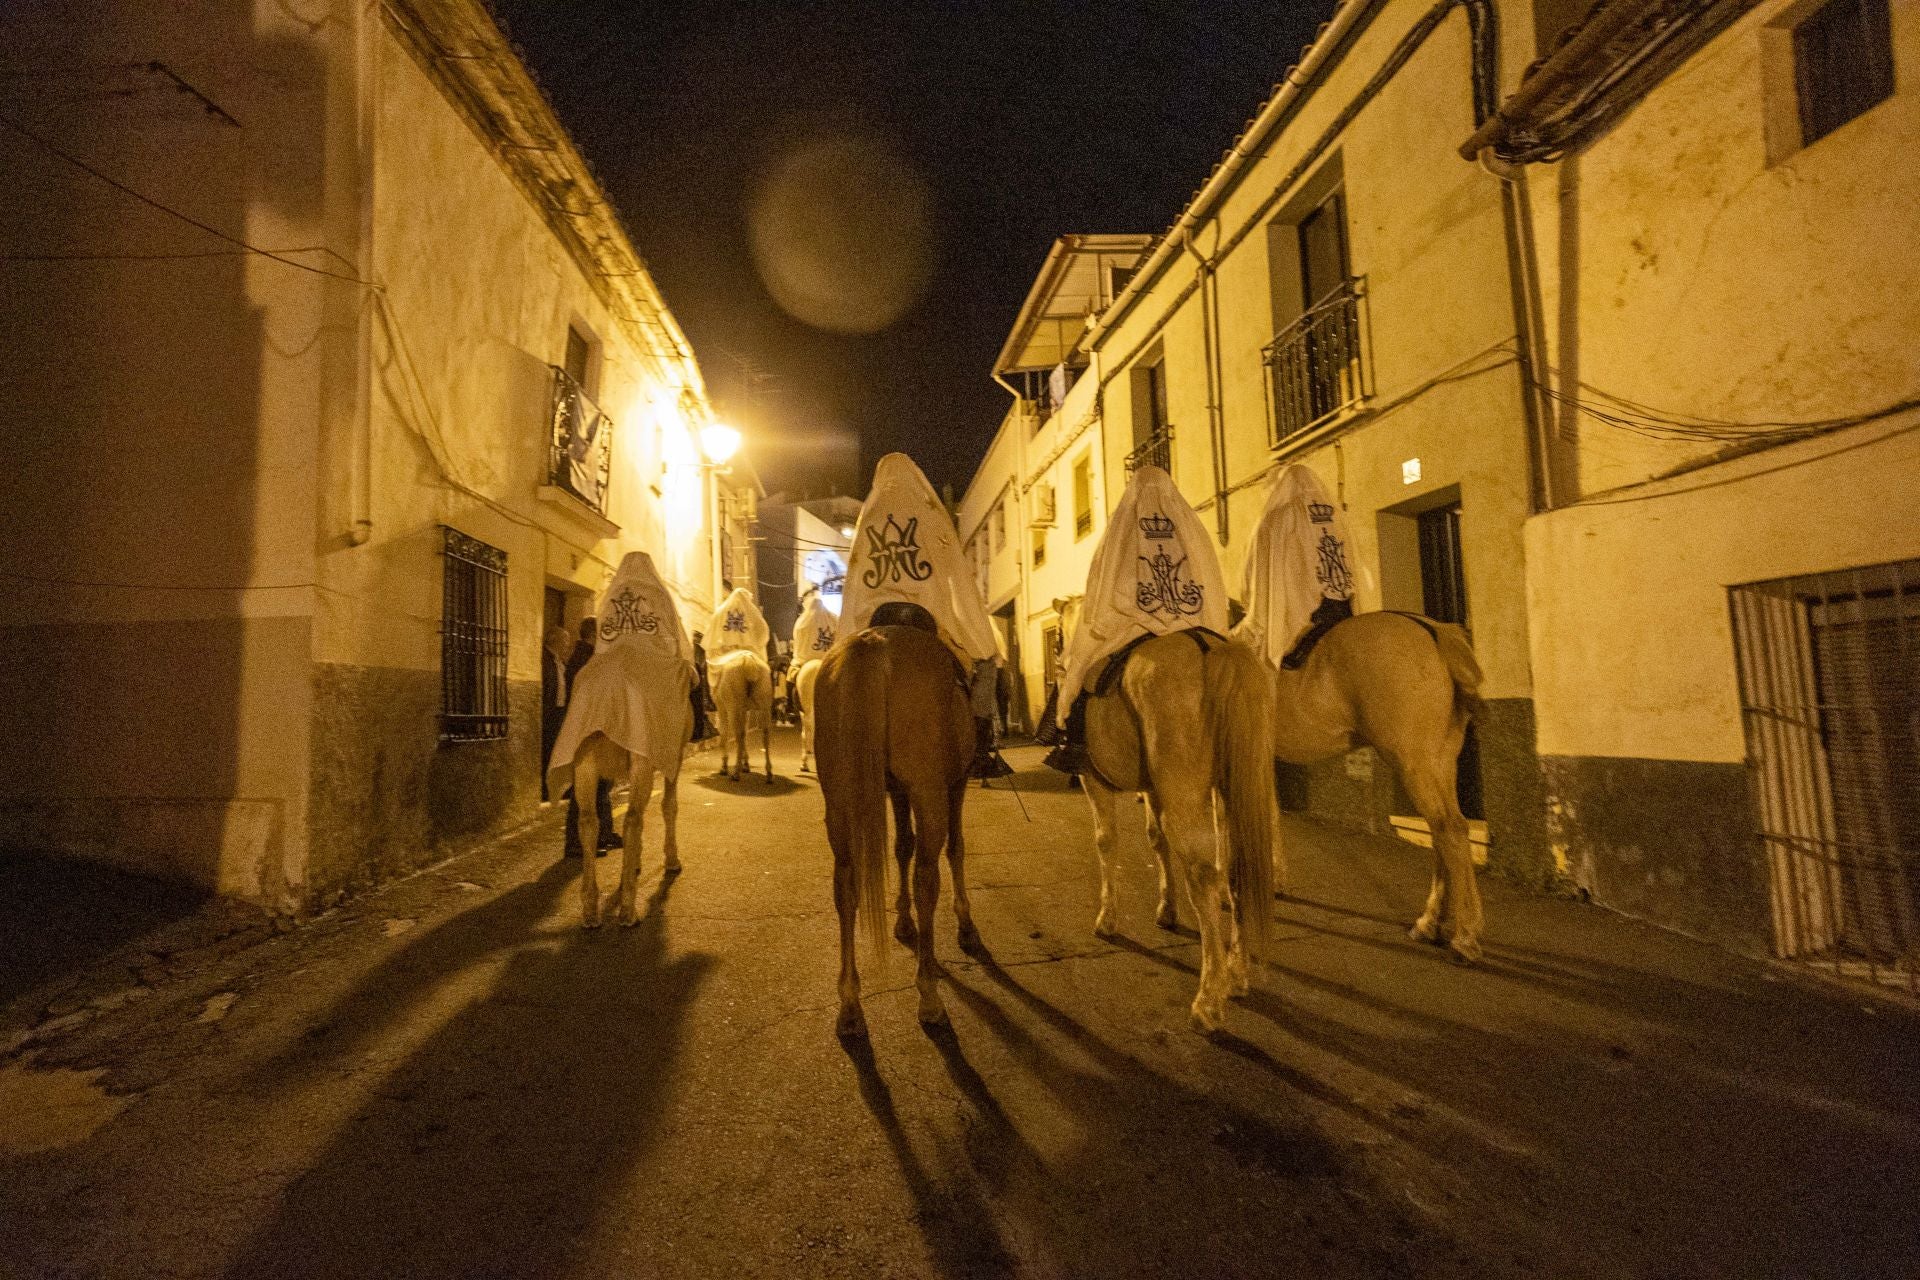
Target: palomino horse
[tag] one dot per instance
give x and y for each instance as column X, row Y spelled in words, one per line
column 742, row 682
column 803, row 682
column 893, row 722
column 601, row 757
column 1405, row 686
column 1187, row 723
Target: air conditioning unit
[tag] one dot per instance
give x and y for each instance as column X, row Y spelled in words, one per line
column 1043, row 507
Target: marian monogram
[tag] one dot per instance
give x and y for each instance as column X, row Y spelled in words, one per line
column 736, row 621
column 1163, row 591
column 896, row 554
column 624, row 614
column 822, row 639
column 1335, row 578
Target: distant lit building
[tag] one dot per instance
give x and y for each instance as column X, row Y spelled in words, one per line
column 803, row 545
column 314, row 437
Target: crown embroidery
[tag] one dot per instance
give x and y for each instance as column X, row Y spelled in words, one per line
column 1157, row 527
column 1320, row 512
column 895, row 549
column 736, row 621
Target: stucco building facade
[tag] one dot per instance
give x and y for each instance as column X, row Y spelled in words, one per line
column 344, row 384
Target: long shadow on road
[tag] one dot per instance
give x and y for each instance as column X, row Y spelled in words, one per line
column 501, row 1139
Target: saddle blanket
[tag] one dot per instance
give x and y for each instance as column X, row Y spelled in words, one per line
column 906, row 551
column 737, row 624
column 1297, row 562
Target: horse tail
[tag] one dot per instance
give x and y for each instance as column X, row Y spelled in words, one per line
column 863, row 730
column 1240, row 703
column 1462, row 666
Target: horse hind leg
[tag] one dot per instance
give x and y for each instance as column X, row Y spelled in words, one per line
column 1168, row 914
column 851, row 1022
column 1106, row 842
column 586, row 783
column 930, row 824
column 957, row 867
column 670, row 820
column 1453, row 915
column 903, row 930
column 766, row 732
column 639, row 792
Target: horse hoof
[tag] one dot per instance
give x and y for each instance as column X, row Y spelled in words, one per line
column 1206, row 1020
column 1424, row 930
column 970, row 938
column 1167, row 918
column 933, row 1013
column 1105, row 925
column 1465, row 951
column 905, row 934
column 592, row 922
column 851, row 1024
column 672, row 868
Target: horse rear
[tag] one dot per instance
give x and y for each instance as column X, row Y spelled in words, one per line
column 1406, row 687
column 804, row 682
column 1189, row 721
column 742, row 682
column 601, row 757
column 891, row 720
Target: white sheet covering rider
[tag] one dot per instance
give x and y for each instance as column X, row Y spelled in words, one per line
column 1298, row 557
column 1155, row 572
column 814, row 633
column 634, row 688
column 905, row 548
column 737, row 624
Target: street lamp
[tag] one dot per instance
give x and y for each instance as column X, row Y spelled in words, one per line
column 718, row 442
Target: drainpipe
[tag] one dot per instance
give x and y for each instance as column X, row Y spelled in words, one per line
column 1523, row 272
column 360, row 461
column 1216, row 427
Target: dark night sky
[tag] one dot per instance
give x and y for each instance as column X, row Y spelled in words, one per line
column 1024, row 121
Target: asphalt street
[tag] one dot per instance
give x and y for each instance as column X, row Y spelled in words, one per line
column 449, row 1078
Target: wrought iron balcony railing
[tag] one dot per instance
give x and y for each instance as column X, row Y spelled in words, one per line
column 1317, row 365
column 1155, row 451
column 580, row 448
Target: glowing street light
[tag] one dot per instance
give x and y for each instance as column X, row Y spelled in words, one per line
column 719, row 442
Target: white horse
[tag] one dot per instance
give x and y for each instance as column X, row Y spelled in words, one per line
column 803, row 682
column 1405, row 686
column 601, row 757
column 742, row 681
column 1187, row 723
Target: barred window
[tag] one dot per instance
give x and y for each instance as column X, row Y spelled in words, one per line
column 473, row 640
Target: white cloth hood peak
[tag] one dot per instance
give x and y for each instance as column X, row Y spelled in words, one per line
column 905, row 549
column 737, row 624
column 638, row 611
column 1155, row 572
column 1299, row 556
column 814, row 633
column 634, row 687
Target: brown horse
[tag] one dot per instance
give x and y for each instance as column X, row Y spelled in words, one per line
column 1187, row 723
column 893, row 722
column 1405, row 686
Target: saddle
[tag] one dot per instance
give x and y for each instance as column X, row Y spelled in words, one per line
column 1329, row 615
column 1070, row 753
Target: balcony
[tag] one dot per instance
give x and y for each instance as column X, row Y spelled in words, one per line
column 1317, row 365
column 1155, row 451
column 580, row 445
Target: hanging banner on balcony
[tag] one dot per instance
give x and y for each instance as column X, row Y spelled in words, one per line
column 1300, row 556
column 1155, row 572
column 581, row 452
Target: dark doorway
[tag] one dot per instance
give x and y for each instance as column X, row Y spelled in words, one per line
column 1443, row 591
column 555, row 611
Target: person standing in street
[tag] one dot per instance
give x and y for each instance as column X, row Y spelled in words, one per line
column 556, row 681
column 603, row 794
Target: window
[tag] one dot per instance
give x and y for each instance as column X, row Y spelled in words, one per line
column 1314, row 363
column 1152, row 432
column 1083, row 495
column 1842, row 64
column 473, row 639
column 1039, row 547
column 1000, row 526
column 579, row 355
